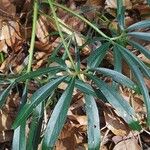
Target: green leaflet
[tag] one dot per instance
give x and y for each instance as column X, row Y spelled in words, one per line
column 113, row 97
column 140, row 35
column 139, row 25
column 33, row 74
column 118, row 77
column 120, row 14
column 19, row 141
column 117, row 63
column 138, row 62
column 40, row 95
column 35, row 127
column 117, row 60
column 19, row 136
column 140, row 79
column 84, row 87
column 58, row 118
column 5, row 93
column 100, row 95
column 93, row 123
column 97, row 55
column 139, row 47
column 143, row 89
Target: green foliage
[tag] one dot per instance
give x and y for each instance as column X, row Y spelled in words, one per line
column 77, row 78
column 4, row 94
column 120, row 14
column 139, row 25
column 140, row 35
column 35, row 128
column 58, row 117
column 97, row 56
column 39, row 96
column 19, row 137
column 93, row 123
column 122, row 107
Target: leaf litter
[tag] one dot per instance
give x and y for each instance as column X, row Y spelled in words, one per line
column 15, row 32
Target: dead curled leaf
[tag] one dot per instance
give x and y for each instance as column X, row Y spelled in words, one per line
column 7, row 10
column 42, row 30
column 67, row 138
column 115, row 123
column 130, row 144
column 3, row 46
column 7, row 114
column 10, row 37
column 10, row 29
column 71, row 137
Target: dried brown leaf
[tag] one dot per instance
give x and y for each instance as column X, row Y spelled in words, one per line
column 130, row 144
column 5, row 121
column 6, row 136
column 67, row 139
column 115, row 123
column 3, row 46
column 42, row 30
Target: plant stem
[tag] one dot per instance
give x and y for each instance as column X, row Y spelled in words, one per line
column 82, row 18
column 87, row 22
column 31, row 50
column 1, row 57
column 61, row 34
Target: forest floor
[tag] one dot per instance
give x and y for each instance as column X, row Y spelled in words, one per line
column 15, row 35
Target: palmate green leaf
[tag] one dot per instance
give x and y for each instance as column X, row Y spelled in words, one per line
column 139, row 47
column 141, row 82
column 118, row 77
column 140, row 35
column 5, row 93
column 139, row 25
column 35, row 127
column 120, row 14
column 115, row 99
column 97, row 55
column 58, row 118
column 33, row 74
column 93, row 130
column 138, row 62
column 40, row 95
